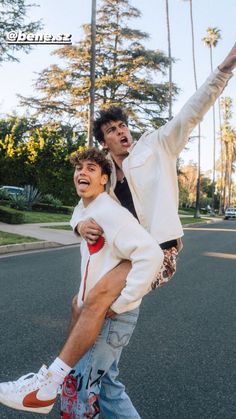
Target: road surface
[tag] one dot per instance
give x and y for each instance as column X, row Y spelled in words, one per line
column 180, row 363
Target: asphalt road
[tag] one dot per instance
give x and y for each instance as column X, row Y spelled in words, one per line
column 180, row 363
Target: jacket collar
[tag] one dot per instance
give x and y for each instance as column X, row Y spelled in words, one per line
column 113, row 179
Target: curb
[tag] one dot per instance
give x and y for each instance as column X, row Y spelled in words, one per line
column 10, row 248
column 199, row 223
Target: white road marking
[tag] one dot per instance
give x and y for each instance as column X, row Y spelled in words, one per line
column 211, row 229
column 220, row 255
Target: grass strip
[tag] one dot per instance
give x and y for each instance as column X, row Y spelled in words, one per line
column 45, row 217
column 10, row 238
column 59, row 227
column 190, row 220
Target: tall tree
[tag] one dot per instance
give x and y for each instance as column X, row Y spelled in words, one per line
column 187, row 183
column 220, row 186
column 229, row 151
column 38, row 154
column 211, row 41
column 14, row 18
column 197, row 201
column 127, row 74
column 170, row 58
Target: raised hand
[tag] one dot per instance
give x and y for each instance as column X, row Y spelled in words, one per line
column 229, row 62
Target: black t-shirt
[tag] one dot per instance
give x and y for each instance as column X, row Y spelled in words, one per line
column 123, row 193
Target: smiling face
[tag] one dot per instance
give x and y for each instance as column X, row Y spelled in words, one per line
column 117, row 138
column 89, row 180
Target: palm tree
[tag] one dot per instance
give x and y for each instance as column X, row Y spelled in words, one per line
column 170, row 59
column 197, row 210
column 92, row 73
column 229, row 155
column 211, row 40
column 221, row 161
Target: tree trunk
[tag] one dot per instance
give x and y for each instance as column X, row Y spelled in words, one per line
column 214, row 142
column 92, row 74
column 198, row 191
column 114, row 69
column 226, row 174
column 221, row 162
column 230, row 171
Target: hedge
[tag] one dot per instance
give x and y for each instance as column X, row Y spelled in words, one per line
column 63, row 209
column 11, row 216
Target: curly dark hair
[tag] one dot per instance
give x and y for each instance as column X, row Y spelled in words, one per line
column 95, row 155
column 113, row 113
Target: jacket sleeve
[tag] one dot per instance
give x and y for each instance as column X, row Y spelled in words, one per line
column 132, row 242
column 174, row 135
column 76, row 217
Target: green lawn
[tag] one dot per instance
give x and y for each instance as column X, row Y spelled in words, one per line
column 190, row 220
column 189, row 211
column 9, row 238
column 59, row 227
column 45, row 217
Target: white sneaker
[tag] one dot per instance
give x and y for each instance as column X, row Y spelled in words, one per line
column 32, row 392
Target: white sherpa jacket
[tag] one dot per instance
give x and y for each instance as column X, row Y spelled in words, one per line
column 126, row 239
column 150, row 168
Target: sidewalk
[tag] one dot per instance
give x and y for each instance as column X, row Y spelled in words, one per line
column 48, row 237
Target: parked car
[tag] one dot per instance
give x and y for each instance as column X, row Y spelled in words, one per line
column 11, row 190
column 230, row 213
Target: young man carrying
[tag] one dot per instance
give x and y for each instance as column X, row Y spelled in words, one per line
column 144, row 180
column 123, row 239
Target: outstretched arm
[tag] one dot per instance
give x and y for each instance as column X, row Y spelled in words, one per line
column 174, row 135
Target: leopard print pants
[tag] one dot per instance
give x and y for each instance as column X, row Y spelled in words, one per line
column 168, row 268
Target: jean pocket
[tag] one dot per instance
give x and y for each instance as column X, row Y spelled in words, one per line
column 121, row 329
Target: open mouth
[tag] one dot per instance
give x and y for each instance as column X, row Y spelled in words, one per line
column 83, row 185
column 124, row 141
column 83, row 182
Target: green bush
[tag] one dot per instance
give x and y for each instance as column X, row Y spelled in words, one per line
column 4, row 202
column 11, row 216
column 19, row 202
column 4, row 195
column 50, row 199
column 26, row 199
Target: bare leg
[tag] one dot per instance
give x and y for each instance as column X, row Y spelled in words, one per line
column 91, row 318
column 75, row 313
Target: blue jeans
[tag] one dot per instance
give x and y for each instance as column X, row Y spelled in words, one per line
column 92, row 385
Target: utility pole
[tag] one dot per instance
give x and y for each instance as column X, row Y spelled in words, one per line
column 92, row 73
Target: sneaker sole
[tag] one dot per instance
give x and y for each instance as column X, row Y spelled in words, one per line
column 42, row 410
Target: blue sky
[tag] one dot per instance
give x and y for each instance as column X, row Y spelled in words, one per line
column 67, row 17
